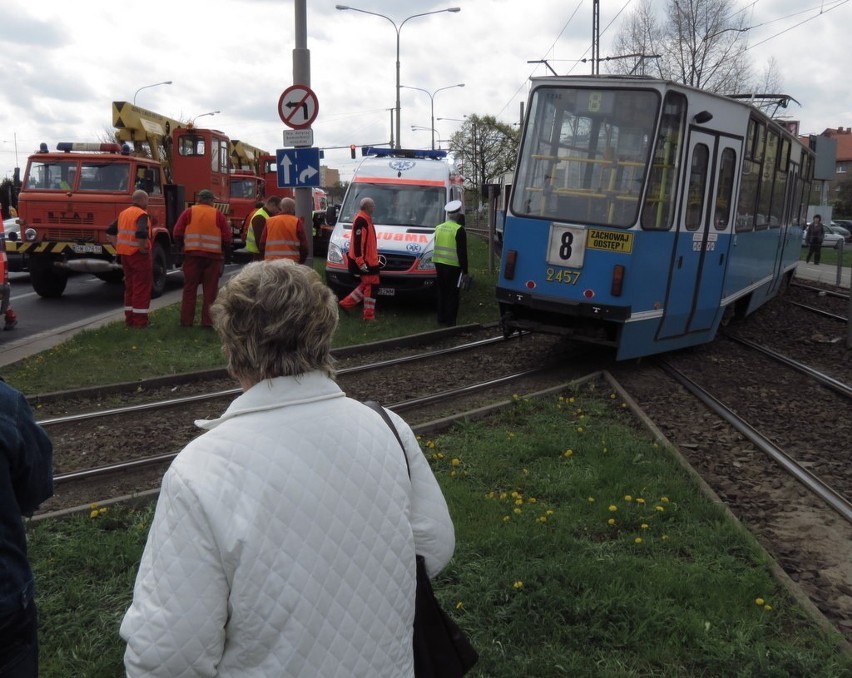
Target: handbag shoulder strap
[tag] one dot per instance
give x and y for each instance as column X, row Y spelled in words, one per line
column 372, row 404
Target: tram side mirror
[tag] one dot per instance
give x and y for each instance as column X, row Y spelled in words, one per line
column 702, row 116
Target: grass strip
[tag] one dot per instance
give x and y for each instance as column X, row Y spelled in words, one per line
column 583, row 549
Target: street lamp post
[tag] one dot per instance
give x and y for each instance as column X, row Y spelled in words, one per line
column 432, row 103
column 203, row 114
column 156, row 84
column 398, row 28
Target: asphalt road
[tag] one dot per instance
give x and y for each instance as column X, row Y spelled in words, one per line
column 86, row 303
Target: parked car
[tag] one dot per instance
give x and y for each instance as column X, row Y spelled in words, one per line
column 12, row 231
column 831, row 238
column 843, row 230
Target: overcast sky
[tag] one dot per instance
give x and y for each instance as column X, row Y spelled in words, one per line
column 64, row 63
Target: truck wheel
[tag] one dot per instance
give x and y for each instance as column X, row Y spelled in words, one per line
column 48, row 281
column 159, row 265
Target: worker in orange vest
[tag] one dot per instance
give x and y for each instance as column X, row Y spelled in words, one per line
column 133, row 245
column 284, row 235
column 363, row 260
column 202, row 232
column 11, row 319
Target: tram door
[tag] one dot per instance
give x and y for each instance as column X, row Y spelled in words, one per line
column 703, row 236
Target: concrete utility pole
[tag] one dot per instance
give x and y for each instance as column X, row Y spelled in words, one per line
column 302, row 76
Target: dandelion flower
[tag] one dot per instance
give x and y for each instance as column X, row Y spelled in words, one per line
column 591, row 500
column 568, row 453
column 542, row 519
column 612, row 396
column 579, row 429
column 532, row 500
column 660, row 508
column 759, row 601
column 550, row 512
column 456, row 461
column 519, row 502
column 627, row 497
column 506, row 519
column 518, row 585
column 611, row 521
column 613, row 507
column 644, row 526
column 93, row 514
column 440, row 455
column 639, row 500
column 638, row 540
column 460, row 605
column 767, row 607
column 517, row 510
column 516, row 494
column 664, row 500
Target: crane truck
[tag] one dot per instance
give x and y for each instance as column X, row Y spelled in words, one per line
column 70, row 195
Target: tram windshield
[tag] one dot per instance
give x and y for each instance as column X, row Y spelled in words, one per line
column 585, row 154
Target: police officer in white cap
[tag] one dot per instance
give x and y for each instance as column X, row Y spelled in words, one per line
column 450, row 259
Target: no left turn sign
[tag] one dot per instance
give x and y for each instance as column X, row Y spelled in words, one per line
column 298, row 106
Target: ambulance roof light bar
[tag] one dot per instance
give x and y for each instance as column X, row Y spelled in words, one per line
column 403, row 153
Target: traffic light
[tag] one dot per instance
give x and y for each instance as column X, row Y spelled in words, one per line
column 352, row 150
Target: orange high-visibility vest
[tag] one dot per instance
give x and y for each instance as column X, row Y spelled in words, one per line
column 202, row 234
column 127, row 243
column 282, row 237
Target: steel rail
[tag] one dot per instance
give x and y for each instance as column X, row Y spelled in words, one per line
column 86, row 474
column 830, row 293
column 811, row 481
column 73, row 418
column 819, row 311
column 829, row 382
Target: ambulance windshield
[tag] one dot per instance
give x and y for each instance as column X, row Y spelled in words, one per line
column 397, row 205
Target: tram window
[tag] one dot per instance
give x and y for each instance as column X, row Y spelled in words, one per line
column 585, row 154
column 697, row 187
column 757, row 139
column 767, row 205
column 747, row 204
column 725, row 189
column 784, row 156
column 658, row 209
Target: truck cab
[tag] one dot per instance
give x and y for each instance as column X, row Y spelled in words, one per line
column 68, row 199
column 410, row 189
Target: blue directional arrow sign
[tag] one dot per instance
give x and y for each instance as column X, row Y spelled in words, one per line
column 298, row 167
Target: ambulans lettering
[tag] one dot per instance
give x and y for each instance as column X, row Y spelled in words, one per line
column 419, row 238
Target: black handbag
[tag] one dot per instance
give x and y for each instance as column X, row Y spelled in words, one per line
column 441, row 648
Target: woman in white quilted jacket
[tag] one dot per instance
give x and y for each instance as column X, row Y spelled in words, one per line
column 284, row 538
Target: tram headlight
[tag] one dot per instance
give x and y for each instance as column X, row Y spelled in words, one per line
column 617, row 280
column 30, row 235
column 509, row 266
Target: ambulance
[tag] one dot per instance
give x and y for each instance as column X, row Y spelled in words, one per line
column 410, row 189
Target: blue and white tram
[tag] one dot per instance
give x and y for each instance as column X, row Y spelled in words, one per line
column 644, row 212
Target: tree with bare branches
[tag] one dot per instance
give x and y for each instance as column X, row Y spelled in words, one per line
column 701, row 43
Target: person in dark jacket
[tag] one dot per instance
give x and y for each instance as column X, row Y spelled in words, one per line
column 26, row 480
column 816, row 234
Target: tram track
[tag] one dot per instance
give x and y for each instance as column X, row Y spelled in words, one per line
column 473, row 373
column 743, row 432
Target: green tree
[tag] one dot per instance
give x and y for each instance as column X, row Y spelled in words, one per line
column 484, row 149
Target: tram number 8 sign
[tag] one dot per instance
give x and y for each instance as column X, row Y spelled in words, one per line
column 567, row 246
